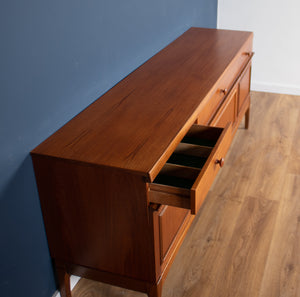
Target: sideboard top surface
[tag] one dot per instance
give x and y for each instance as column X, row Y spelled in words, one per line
column 134, row 124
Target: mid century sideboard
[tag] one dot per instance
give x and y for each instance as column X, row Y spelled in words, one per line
column 121, row 182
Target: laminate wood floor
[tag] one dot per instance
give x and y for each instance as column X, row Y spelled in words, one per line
column 246, row 239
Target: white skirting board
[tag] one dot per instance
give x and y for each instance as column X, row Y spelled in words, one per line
column 73, row 280
column 275, row 88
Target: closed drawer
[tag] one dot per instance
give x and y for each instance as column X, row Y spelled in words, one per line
column 225, row 83
column 188, row 174
column 228, row 110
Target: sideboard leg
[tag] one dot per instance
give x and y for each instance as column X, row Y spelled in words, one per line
column 64, row 282
column 247, row 118
column 156, row 290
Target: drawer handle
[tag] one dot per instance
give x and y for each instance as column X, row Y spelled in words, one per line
column 224, row 91
column 220, row 162
column 249, row 54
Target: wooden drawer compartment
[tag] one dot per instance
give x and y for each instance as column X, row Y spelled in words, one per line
column 225, row 84
column 188, row 174
column 228, row 110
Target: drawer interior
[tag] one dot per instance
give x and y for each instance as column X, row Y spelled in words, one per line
column 177, row 176
column 188, row 174
column 202, row 136
column 185, row 164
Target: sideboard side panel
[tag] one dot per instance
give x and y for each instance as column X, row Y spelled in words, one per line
column 96, row 217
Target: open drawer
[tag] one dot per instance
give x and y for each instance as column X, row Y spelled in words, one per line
column 188, row 174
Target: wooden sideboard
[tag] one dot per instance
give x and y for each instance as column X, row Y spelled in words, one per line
column 121, row 182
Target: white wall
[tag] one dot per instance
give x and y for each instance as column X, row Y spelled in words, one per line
column 276, row 27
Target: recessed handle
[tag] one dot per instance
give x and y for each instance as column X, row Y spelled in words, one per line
column 220, row 162
column 224, row 91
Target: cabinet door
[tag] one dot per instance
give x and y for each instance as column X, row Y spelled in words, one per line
column 227, row 112
column 171, row 220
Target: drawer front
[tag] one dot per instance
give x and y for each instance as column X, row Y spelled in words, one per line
column 244, row 87
column 188, row 174
column 228, row 110
column 170, row 220
column 216, row 99
column 225, row 83
column 214, row 163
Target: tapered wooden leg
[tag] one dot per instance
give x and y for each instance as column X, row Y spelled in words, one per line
column 247, row 118
column 64, row 282
column 156, row 290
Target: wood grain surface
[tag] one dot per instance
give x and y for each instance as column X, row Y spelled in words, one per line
column 245, row 241
column 136, row 125
column 97, row 218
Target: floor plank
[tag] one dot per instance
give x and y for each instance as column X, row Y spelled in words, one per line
column 204, row 246
column 246, row 239
column 294, row 160
column 242, row 268
column 281, row 277
column 278, row 127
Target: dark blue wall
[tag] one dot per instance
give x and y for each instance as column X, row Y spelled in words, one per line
column 56, row 57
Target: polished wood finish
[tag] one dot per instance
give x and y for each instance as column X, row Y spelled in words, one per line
column 219, row 140
column 77, row 228
column 247, row 118
column 103, row 177
column 112, row 279
column 170, row 221
column 143, row 115
column 228, row 111
column 245, row 240
column 244, row 87
column 170, row 196
column 210, row 170
column 63, row 278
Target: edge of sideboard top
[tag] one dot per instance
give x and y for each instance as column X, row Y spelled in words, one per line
column 140, row 120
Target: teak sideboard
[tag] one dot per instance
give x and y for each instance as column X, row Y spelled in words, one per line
column 121, row 182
